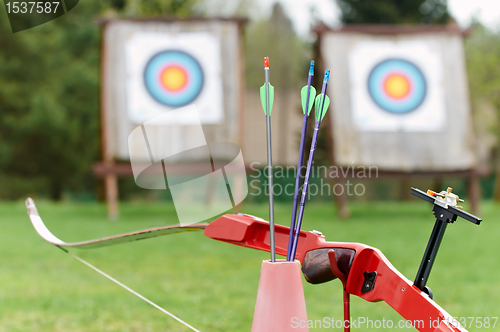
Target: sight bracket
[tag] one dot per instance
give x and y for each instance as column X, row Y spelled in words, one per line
column 446, row 212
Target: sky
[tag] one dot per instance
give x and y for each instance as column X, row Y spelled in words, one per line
column 487, row 11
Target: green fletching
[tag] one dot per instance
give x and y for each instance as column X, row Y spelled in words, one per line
column 263, row 98
column 320, row 114
column 303, row 97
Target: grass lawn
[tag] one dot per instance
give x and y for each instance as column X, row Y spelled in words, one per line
column 213, row 285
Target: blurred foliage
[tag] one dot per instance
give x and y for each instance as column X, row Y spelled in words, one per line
column 288, row 54
column 49, row 82
column 483, row 54
column 49, row 98
column 49, row 92
column 49, row 79
column 151, row 8
column 483, row 59
column 393, row 11
column 289, row 58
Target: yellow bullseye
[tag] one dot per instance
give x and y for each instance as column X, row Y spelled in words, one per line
column 397, row 86
column 173, row 78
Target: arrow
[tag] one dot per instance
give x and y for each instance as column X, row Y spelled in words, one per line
column 307, row 93
column 267, row 91
column 267, row 98
column 322, row 102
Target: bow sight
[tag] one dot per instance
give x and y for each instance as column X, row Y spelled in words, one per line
column 446, row 211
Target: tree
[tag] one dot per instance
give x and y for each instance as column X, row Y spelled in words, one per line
column 288, row 54
column 288, row 57
column 177, row 8
column 394, row 11
column 49, row 120
column 49, row 100
column 483, row 56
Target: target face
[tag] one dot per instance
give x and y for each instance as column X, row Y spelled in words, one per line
column 167, row 71
column 397, row 86
column 173, row 78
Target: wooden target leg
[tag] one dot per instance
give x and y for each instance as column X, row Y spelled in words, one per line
column 341, row 200
column 210, row 189
column 111, row 192
column 474, row 193
column 238, row 190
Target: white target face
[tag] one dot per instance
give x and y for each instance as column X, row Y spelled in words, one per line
column 397, row 86
column 165, row 72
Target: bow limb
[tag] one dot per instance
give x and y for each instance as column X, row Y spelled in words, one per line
column 44, row 232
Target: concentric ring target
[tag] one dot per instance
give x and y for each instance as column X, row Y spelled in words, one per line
column 397, row 86
column 173, row 78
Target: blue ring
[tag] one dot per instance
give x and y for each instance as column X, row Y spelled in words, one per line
column 376, row 86
column 174, row 58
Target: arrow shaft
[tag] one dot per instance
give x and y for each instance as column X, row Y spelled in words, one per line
column 297, row 189
column 323, row 89
column 270, row 167
column 299, row 168
column 304, row 190
column 308, row 172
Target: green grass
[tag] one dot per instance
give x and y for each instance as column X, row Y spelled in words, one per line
column 213, row 285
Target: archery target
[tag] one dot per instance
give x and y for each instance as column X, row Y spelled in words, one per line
column 166, row 71
column 396, row 86
column 173, row 78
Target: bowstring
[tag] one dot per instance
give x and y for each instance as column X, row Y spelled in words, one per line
column 129, row 289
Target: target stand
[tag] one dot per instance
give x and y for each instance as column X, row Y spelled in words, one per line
column 400, row 104
column 154, row 66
